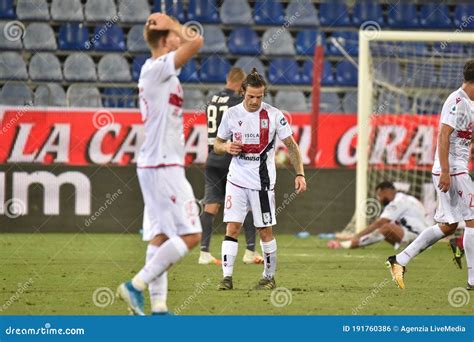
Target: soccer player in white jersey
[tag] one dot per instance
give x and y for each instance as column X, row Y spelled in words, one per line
column 170, row 221
column 248, row 132
column 401, row 220
column 450, row 176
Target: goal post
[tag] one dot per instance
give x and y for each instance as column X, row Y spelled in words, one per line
column 419, row 68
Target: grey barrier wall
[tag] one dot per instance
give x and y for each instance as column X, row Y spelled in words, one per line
column 59, row 198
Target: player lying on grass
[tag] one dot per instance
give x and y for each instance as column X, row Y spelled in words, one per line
column 170, row 220
column 450, row 177
column 402, row 219
column 216, row 170
column 248, row 132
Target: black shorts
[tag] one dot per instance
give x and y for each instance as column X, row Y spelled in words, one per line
column 215, row 182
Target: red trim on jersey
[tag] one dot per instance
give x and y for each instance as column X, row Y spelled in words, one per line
column 176, row 100
column 159, row 166
column 264, row 133
column 456, row 174
column 465, row 134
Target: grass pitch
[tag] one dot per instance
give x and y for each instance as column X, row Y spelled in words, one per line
column 76, row 274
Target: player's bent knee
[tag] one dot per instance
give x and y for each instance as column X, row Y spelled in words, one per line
column 233, row 229
column 212, row 208
column 266, row 234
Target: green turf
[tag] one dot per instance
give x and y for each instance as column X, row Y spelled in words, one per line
column 43, row 274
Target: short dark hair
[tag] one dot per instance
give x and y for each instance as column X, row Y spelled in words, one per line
column 468, row 71
column 254, row 80
column 385, row 185
column 153, row 37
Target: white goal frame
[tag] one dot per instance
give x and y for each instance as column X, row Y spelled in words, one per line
column 364, row 100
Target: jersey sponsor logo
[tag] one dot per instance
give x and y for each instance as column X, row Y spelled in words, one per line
column 240, row 123
column 249, row 157
column 460, row 193
column 238, row 137
column 458, row 99
column 176, row 100
column 465, row 134
column 453, row 110
column 283, row 122
column 264, row 123
column 267, row 218
column 263, row 134
column 173, row 199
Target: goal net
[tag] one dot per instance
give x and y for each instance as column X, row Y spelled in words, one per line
column 404, row 78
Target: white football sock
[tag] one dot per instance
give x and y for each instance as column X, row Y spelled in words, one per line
column 468, row 242
column 270, row 258
column 167, row 254
column 229, row 253
column 158, row 287
column 371, row 238
column 426, row 238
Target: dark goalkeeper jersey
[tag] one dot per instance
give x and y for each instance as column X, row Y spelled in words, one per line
column 215, row 108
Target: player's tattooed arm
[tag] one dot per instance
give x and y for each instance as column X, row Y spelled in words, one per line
column 443, row 154
column 297, row 162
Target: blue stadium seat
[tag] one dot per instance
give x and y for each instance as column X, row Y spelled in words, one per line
column 39, row 37
column 302, row 13
column 214, row 40
column 174, row 8
column 415, row 49
column 450, row 75
column 327, row 77
column 449, row 48
column 428, row 104
column 348, row 40
column 100, row 10
column 113, row 67
column 119, row 98
column 214, row 69
column 189, row 72
column 244, row 41
column 137, row 64
column 45, row 66
column 334, row 13
column 283, row 71
column 16, row 94
column 306, row 75
column 6, row 9
column 73, row 36
column 330, row 102
column 111, row 40
column 32, row 10
column 269, row 12
column 367, row 10
column 403, row 15
column 419, row 74
column 135, row 40
column 346, row 74
column 248, row 63
column 67, row 10
column 277, row 42
column 236, row 12
column 12, row 66
column 306, row 41
column 435, row 16
column 204, row 11
column 462, row 13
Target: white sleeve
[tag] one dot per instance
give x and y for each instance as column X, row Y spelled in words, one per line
column 450, row 112
column 393, row 211
column 283, row 128
column 224, row 132
column 163, row 67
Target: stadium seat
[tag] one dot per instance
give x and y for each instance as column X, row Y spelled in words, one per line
column 203, row 11
column 67, row 10
column 276, row 42
column 119, row 98
column 349, row 102
column 133, row 11
column 248, row 63
column 451, row 75
column 79, row 67
column 449, row 48
column 12, row 66
column 392, row 103
column 419, row 74
column 32, row 10
column 189, row 72
column 73, row 36
column 135, row 40
column 334, row 13
column 14, row 94
column 283, row 71
column 346, row 74
column 111, row 40
column 348, row 40
column 306, row 75
column 6, row 9
column 244, row 41
column 174, row 8
column 327, row 78
column 415, row 49
column 367, row 10
column 113, row 68
column 45, row 66
column 435, row 16
column 194, row 99
column 214, row 69
column 236, row 12
column 100, row 10
column 428, row 104
column 403, row 15
column 269, row 12
column 79, row 95
column 137, row 64
column 462, row 13
column 13, row 42
column 50, row 95
column 39, row 37
column 302, row 13
column 330, row 102
column 291, row 101
column 306, row 41
column 388, row 71
column 214, row 40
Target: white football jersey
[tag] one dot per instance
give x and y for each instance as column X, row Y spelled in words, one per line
column 254, row 167
column 161, row 100
column 457, row 113
column 406, row 211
